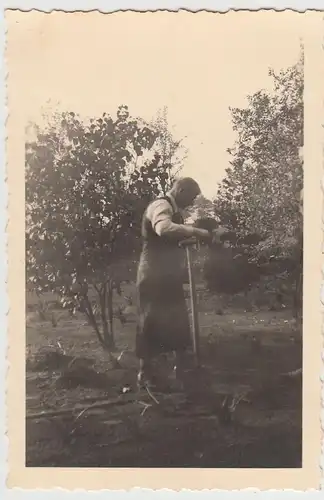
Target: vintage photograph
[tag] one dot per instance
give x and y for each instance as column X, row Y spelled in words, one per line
column 164, row 188
column 163, row 247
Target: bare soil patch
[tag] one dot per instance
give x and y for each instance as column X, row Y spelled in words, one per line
column 82, row 412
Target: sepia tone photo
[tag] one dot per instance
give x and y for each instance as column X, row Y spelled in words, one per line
column 163, row 263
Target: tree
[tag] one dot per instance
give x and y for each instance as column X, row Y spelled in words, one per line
column 203, row 208
column 261, row 189
column 169, row 151
column 87, row 185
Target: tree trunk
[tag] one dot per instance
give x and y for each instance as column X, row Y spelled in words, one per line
column 102, row 301
column 87, row 308
column 110, row 292
column 106, row 341
column 298, row 294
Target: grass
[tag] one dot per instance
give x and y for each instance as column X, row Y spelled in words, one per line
column 82, row 412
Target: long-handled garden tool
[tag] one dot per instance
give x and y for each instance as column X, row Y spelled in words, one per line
column 216, row 235
column 188, row 245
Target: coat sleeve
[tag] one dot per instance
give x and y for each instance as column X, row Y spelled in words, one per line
column 160, row 214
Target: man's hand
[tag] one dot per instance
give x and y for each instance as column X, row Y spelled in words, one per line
column 199, row 235
column 188, row 242
column 202, row 234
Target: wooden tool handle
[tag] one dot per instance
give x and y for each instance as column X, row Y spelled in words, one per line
column 194, row 311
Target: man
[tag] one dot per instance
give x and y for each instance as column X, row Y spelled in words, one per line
column 163, row 317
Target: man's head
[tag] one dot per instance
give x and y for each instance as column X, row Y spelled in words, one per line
column 185, row 191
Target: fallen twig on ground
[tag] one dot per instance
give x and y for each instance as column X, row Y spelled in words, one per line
column 151, row 395
column 146, row 406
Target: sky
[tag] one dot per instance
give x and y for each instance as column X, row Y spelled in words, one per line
column 195, row 64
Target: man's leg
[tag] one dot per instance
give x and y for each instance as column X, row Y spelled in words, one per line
column 144, row 376
column 143, row 344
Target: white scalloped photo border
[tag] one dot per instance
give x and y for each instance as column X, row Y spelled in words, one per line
column 4, row 303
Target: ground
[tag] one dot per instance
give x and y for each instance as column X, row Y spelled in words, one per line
column 83, row 412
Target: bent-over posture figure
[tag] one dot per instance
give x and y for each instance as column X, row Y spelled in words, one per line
column 163, row 316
